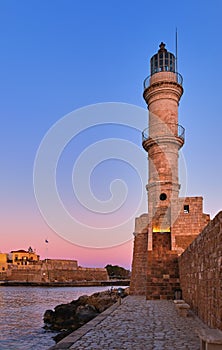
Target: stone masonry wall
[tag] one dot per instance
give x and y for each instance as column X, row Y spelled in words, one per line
column 60, row 264
column 81, row 274
column 162, row 269
column 162, row 275
column 188, row 224
column 45, row 273
column 139, row 264
column 200, row 269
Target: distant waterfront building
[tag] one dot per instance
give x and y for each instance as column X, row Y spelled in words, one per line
column 23, row 257
column 26, row 266
column 172, row 222
column 3, row 261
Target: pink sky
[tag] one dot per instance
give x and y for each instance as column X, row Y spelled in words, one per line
column 95, row 54
column 29, row 229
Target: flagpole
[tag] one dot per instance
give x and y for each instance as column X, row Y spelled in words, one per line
column 46, row 259
column 176, row 53
column 46, row 249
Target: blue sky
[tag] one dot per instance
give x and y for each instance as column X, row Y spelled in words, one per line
column 58, row 56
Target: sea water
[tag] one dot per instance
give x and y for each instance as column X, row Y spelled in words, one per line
column 22, row 310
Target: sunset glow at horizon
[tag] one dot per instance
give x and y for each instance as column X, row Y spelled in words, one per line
column 62, row 58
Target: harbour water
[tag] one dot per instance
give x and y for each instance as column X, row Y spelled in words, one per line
column 21, row 314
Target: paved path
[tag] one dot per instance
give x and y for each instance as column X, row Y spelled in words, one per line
column 136, row 324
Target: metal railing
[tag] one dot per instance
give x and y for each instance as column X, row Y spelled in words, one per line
column 179, row 79
column 164, row 130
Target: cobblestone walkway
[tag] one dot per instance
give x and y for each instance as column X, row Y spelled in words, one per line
column 137, row 324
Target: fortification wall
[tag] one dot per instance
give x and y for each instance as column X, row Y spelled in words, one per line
column 25, row 275
column 60, row 264
column 81, row 274
column 200, row 268
column 46, row 273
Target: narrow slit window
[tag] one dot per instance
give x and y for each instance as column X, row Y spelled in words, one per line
column 186, row 209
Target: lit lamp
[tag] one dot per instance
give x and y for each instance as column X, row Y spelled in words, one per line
column 120, row 293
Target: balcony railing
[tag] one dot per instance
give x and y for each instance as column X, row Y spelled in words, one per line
column 178, row 78
column 163, row 130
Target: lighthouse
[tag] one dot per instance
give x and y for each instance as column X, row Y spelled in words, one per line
column 172, row 222
column 162, row 140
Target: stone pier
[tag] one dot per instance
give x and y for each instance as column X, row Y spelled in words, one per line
column 137, row 324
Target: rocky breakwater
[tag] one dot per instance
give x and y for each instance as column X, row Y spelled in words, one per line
column 68, row 317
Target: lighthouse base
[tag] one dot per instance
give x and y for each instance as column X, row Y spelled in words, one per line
column 162, row 280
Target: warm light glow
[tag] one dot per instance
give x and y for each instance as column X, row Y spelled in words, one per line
column 161, row 229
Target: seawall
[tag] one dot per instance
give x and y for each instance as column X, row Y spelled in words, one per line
column 200, row 269
column 67, row 284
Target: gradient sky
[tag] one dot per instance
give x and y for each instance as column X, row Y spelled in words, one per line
column 58, row 56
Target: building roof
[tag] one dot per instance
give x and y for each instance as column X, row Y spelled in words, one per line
column 19, row 251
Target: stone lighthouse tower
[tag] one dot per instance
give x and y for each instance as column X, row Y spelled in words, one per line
column 162, row 140
column 172, row 222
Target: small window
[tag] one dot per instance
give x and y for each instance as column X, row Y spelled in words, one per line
column 186, row 209
column 163, row 196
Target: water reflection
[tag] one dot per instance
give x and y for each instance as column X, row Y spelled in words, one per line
column 21, row 314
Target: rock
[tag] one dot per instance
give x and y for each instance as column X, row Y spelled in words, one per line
column 81, row 300
column 85, row 313
column 103, row 300
column 62, row 318
column 48, row 316
column 68, row 317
